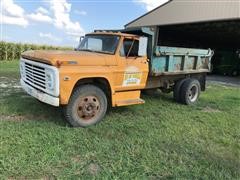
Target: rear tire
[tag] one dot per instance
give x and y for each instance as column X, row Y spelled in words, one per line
column 177, row 89
column 190, row 91
column 87, row 106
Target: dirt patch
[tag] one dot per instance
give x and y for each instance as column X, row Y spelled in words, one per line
column 26, row 178
column 76, row 159
column 17, row 87
column 94, row 169
column 9, row 83
column 2, row 85
column 12, row 118
column 3, row 78
column 210, row 110
column 19, row 118
column 48, row 178
column 19, row 178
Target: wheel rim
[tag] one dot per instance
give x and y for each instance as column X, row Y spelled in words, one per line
column 193, row 93
column 88, row 108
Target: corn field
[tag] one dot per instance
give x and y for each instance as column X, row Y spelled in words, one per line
column 10, row 51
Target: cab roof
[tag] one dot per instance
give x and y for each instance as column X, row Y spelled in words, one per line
column 113, row 33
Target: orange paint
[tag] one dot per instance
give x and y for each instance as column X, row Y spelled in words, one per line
column 125, row 75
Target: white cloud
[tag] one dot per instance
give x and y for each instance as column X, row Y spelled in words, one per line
column 42, row 10
column 76, row 34
column 12, row 13
column 57, row 13
column 40, row 17
column 82, row 13
column 61, row 12
column 20, row 21
column 49, row 36
column 12, row 9
column 151, row 4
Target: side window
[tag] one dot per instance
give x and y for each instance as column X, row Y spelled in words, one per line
column 129, row 48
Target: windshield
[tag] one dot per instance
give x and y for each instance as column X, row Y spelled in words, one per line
column 99, row 43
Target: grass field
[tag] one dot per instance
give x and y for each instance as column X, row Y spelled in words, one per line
column 157, row 140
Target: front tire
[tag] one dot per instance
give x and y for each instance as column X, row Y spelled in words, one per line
column 87, row 106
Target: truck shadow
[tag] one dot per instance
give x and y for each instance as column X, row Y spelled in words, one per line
column 22, row 106
column 167, row 97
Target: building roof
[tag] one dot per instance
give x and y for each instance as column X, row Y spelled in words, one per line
column 189, row 11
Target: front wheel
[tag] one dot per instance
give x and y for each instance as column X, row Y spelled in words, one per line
column 87, row 106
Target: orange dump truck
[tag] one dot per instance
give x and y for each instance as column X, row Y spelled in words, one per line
column 110, row 69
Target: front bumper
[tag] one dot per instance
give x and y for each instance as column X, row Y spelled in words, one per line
column 48, row 99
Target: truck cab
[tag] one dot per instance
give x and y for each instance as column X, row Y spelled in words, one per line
column 108, row 69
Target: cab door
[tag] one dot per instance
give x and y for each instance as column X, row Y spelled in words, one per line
column 132, row 70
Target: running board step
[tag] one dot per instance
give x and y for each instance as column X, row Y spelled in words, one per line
column 130, row 102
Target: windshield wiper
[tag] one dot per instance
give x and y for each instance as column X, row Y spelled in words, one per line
column 89, row 50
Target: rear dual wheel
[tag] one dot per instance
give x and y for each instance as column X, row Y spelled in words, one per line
column 187, row 91
column 177, row 89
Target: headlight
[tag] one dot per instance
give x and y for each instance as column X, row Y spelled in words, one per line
column 49, row 80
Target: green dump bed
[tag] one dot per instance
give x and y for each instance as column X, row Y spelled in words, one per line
column 173, row 60
column 166, row 60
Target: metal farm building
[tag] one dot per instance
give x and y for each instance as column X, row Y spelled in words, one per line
column 211, row 24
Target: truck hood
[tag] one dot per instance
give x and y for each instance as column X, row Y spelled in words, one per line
column 79, row 57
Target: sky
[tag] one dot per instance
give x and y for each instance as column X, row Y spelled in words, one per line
column 62, row 22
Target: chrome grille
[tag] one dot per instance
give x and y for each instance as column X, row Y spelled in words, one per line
column 35, row 75
column 40, row 76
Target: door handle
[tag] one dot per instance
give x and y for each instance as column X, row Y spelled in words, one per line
column 145, row 61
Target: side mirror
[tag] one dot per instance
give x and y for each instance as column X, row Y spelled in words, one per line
column 81, row 38
column 143, row 42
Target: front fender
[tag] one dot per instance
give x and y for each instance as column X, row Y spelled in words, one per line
column 69, row 77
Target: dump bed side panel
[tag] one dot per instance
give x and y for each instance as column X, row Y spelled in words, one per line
column 172, row 60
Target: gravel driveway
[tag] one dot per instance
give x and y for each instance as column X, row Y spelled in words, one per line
column 225, row 80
